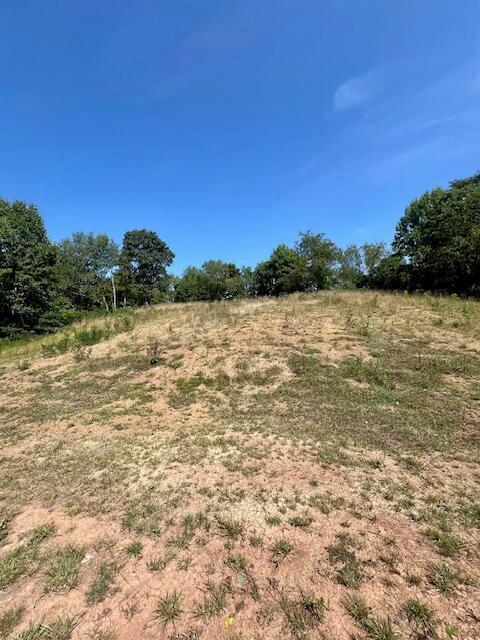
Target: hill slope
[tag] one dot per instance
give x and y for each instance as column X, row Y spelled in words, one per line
column 292, row 468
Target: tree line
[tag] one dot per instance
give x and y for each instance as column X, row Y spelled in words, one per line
column 44, row 285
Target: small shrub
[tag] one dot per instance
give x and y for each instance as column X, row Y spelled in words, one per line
column 24, row 365
column 89, row 337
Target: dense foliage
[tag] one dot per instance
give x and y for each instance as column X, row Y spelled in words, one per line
column 43, row 285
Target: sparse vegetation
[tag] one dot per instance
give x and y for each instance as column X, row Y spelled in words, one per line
column 327, row 436
column 64, row 572
column 422, row 618
column 103, row 583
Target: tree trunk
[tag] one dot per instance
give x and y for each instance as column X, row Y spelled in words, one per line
column 114, row 293
column 105, row 303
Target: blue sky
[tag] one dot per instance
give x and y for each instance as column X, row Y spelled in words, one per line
column 227, row 126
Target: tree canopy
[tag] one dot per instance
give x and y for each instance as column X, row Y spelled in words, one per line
column 436, row 247
column 27, row 275
column 439, row 238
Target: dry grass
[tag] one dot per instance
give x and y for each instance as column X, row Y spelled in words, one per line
column 260, row 468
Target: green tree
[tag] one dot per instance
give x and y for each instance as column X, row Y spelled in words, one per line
column 215, row 280
column 284, row 272
column 85, row 265
column 372, row 255
column 321, row 256
column 143, row 263
column 439, row 238
column 350, row 270
column 391, row 273
column 27, row 277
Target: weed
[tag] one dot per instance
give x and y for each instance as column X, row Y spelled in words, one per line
column 256, row 541
column 134, row 549
column 451, row 630
column 231, row 527
column 103, row 634
column 184, row 564
column 168, row 609
column 64, row 572
column 9, row 619
column 448, row 544
column 281, row 549
column 302, row 522
column 60, row 629
column 445, row 578
column 349, row 573
column 237, row 561
column 23, row 558
column 422, row 618
column 302, row 613
column 216, row 600
column 273, row 521
column 376, row 627
column 101, row 587
column 24, row 365
column 159, row 563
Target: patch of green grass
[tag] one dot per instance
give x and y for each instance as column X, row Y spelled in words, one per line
column 102, row 586
column 367, row 371
column 342, row 553
column 231, row 527
column 273, row 521
column 9, row 619
column 414, row 579
column 376, row 627
column 159, row 563
column 23, row 558
column 445, row 578
column 302, row 614
column 281, row 549
column 237, row 561
column 472, row 514
column 59, row 629
column 134, row 549
column 216, row 599
column 422, row 618
column 169, row 608
column 64, row 572
column 190, row 525
column 448, row 544
column 300, row 521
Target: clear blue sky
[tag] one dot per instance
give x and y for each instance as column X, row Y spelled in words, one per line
column 227, row 126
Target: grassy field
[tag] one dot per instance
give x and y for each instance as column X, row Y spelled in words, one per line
column 299, row 468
